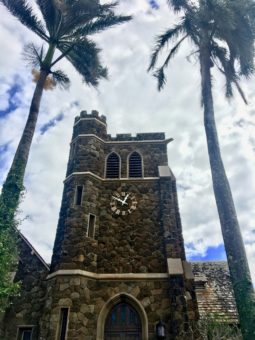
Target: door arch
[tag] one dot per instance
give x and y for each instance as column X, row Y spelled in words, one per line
column 123, row 323
column 127, row 304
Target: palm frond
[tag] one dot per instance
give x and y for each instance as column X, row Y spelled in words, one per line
column 235, row 27
column 174, row 50
column 51, row 15
column 163, row 39
column 75, row 14
column 160, row 75
column 22, row 11
column 177, row 5
column 84, row 56
column 33, row 55
column 84, row 20
column 100, row 24
column 227, row 68
column 61, row 79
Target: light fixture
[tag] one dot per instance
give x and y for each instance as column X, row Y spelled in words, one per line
column 160, row 330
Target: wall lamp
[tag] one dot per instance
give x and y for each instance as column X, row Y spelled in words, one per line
column 160, row 330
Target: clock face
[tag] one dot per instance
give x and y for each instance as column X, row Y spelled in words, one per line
column 123, row 203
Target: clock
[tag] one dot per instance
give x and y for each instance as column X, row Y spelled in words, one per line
column 123, row 203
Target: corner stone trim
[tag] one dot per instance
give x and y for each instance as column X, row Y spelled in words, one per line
column 174, row 266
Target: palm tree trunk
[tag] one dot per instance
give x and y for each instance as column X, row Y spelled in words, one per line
column 237, row 261
column 13, row 184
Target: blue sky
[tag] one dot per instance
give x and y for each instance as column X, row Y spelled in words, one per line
column 131, row 102
column 212, row 254
column 13, row 101
column 51, row 123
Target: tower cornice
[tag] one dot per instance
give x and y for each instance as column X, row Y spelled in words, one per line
column 110, row 276
column 124, row 179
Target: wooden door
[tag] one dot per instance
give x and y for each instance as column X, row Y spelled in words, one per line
column 123, row 323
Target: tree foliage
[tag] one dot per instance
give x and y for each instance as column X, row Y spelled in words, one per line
column 230, row 33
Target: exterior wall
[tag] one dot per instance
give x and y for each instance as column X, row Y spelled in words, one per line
column 87, row 299
column 88, row 153
column 133, row 243
column 27, row 308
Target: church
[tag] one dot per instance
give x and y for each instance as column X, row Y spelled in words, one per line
column 119, row 269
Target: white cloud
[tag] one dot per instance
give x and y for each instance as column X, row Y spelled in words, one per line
column 131, row 102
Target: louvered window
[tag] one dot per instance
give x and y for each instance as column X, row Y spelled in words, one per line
column 113, row 166
column 135, row 165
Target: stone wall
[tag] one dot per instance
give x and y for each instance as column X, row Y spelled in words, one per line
column 27, row 308
column 131, row 243
column 86, row 300
column 89, row 153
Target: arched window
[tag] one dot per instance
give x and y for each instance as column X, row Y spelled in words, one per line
column 135, row 165
column 113, row 166
column 123, row 322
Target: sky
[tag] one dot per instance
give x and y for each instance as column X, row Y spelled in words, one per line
column 132, row 104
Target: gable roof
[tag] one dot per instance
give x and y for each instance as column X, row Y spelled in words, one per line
column 214, row 291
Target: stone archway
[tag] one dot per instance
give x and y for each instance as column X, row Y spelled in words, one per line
column 134, row 327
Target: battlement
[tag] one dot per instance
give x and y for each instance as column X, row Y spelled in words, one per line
column 138, row 137
column 93, row 114
column 93, row 123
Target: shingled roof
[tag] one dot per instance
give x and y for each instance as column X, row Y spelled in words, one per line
column 214, row 291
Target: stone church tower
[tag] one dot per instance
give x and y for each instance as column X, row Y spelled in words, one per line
column 118, row 269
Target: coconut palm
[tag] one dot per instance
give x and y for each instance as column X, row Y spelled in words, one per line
column 221, row 32
column 66, row 26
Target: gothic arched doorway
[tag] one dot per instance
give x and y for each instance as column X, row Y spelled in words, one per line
column 123, row 323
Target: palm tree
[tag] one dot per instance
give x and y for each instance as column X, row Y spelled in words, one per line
column 222, row 33
column 66, row 26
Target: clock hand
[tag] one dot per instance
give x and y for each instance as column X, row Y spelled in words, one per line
column 117, row 199
column 126, row 198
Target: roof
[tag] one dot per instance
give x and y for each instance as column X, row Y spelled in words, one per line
column 214, row 290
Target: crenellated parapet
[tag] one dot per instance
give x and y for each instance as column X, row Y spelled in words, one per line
column 93, row 114
column 90, row 123
column 94, row 123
